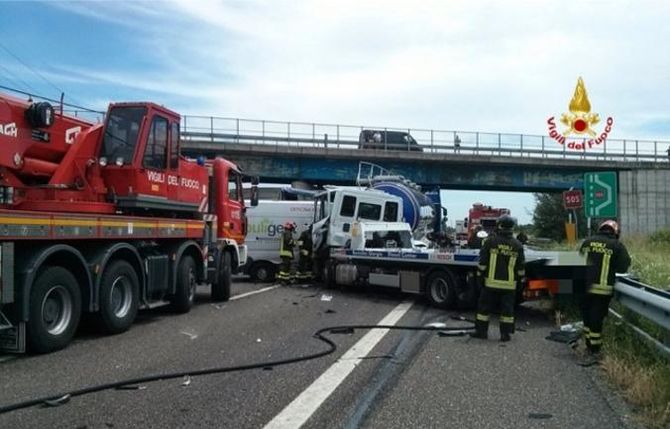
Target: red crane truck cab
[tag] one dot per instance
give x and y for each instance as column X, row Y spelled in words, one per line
column 139, row 153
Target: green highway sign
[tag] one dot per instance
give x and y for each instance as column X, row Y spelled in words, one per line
column 600, row 191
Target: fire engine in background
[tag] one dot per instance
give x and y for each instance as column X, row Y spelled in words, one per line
column 107, row 219
column 484, row 216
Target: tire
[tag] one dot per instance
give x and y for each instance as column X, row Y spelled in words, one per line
column 328, row 274
column 183, row 299
column 262, row 272
column 441, row 289
column 221, row 289
column 55, row 310
column 119, row 297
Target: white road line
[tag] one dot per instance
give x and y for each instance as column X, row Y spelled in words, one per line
column 253, row 292
column 306, row 404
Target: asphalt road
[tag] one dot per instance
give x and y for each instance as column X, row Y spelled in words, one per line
column 398, row 380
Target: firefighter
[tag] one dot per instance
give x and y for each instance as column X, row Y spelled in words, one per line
column 501, row 267
column 607, row 256
column 476, row 240
column 305, row 255
column 286, row 253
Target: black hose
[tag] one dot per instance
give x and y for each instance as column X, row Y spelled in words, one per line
column 60, row 398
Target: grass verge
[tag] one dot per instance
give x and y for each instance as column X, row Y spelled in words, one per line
column 636, row 368
column 649, row 257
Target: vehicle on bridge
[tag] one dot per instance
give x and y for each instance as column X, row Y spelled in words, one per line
column 107, row 219
column 383, row 139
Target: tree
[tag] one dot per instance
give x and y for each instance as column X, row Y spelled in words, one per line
column 549, row 217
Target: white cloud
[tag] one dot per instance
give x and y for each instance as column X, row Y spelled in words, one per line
column 492, row 66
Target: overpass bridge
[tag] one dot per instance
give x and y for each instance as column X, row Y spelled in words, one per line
column 281, row 152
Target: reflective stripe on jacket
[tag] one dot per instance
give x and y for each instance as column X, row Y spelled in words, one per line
column 286, row 245
column 501, row 262
column 607, row 256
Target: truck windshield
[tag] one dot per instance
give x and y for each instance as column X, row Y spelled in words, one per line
column 121, row 132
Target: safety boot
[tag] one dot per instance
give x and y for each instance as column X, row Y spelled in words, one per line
column 481, row 330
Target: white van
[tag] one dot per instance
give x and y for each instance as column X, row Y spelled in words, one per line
column 265, row 226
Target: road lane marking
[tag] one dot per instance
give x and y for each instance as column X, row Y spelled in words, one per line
column 301, row 409
column 253, row 292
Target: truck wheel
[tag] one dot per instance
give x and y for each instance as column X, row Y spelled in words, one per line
column 221, row 289
column 183, row 299
column 119, row 297
column 55, row 309
column 441, row 289
column 328, row 274
column 262, row 272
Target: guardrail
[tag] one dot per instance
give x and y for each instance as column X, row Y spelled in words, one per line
column 337, row 136
column 651, row 303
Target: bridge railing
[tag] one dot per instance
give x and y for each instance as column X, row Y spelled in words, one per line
column 337, row 136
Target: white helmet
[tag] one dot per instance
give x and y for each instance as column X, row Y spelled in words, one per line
column 482, row 234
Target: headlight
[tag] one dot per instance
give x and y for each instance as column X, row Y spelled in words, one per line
column 102, row 161
column 119, row 161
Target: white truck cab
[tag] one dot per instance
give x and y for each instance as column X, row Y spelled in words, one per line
column 336, row 210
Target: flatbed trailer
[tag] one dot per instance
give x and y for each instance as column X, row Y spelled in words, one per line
column 447, row 276
column 109, row 265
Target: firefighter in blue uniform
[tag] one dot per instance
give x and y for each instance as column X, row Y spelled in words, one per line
column 607, row 256
column 286, row 245
column 501, row 267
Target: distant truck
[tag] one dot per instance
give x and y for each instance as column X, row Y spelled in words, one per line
column 484, row 216
column 265, row 226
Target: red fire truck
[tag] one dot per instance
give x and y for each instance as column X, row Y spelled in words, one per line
column 107, row 219
column 484, row 216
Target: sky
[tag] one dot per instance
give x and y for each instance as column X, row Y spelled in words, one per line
column 449, row 65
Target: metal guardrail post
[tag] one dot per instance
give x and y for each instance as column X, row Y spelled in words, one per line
column 521, row 141
column 659, row 346
column 338, row 136
column 651, row 303
column 499, row 145
column 237, row 129
column 637, row 153
column 263, row 129
column 211, row 128
column 655, row 151
column 477, row 142
column 313, row 135
column 431, row 141
column 655, row 307
column 288, row 132
column 544, row 155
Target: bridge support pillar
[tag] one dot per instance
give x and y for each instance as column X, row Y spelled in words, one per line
column 644, row 200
